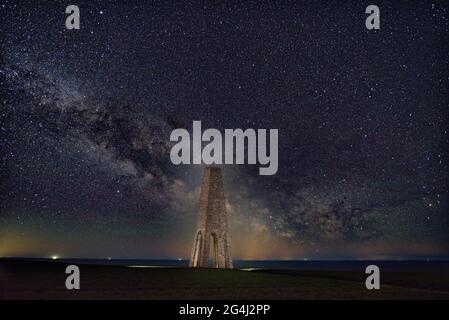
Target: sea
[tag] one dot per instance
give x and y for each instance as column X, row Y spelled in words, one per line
column 318, row 265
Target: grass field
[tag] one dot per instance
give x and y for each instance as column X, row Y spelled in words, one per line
column 46, row 280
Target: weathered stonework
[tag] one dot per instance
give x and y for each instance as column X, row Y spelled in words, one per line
column 212, row 225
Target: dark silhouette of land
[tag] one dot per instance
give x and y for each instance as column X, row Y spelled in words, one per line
column 46, row 280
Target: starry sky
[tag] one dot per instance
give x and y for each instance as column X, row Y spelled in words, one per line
column 362, row 115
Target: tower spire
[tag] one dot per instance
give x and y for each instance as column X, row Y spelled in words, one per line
column 211, row 234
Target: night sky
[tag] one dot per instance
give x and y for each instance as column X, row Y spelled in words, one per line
column 362, row 115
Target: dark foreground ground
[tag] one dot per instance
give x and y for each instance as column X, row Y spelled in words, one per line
column 46, row 280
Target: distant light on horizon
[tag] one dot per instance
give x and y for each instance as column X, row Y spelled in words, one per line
column 54, row 257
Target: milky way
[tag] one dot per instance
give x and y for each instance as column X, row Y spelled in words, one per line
column 362, row 117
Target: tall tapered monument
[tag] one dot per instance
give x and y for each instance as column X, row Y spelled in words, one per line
column 211, row 236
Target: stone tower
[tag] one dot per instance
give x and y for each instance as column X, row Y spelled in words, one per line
column 211, row 236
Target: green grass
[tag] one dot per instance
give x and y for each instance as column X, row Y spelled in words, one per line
column 46, row 281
